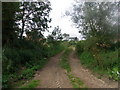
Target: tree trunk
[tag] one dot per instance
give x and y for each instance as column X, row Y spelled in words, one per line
column 23, row 23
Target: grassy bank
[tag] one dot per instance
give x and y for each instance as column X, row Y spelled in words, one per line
column 108, row 61
column 101, row 61
column 23, row 58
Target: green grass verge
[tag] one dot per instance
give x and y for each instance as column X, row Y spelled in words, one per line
column 64, row 60
column 18, row 78
column 31, row 84
column 108, row 61
column 24, row 57
column 76, row 82
column 64, row 63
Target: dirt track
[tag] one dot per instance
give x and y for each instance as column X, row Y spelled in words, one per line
column 53, row 76
column 86, row 76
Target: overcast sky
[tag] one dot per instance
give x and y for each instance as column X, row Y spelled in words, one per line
column 59, row 8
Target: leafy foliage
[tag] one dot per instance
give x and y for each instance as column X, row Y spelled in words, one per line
column 31, row 55
column 8, row 12
column 56, row 34
column 80, row 47
column 104, row 60
column 114, row 74
column 97, row 22
column 34, row 17
column 23, row 55
column 96, row 19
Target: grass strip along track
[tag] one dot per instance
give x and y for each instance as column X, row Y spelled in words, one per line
column 64, row 63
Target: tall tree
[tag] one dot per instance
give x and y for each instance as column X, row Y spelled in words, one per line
column 56, row 33
column 33, row 16
column 8, row 21
column 96, row 19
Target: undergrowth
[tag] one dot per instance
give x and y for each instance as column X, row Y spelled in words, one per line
column 23, row 58
column 99, row 59
column 109, row 64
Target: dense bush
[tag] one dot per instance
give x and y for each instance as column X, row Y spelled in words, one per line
column 104, row 58
column 80, row 46
column 26, row 54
